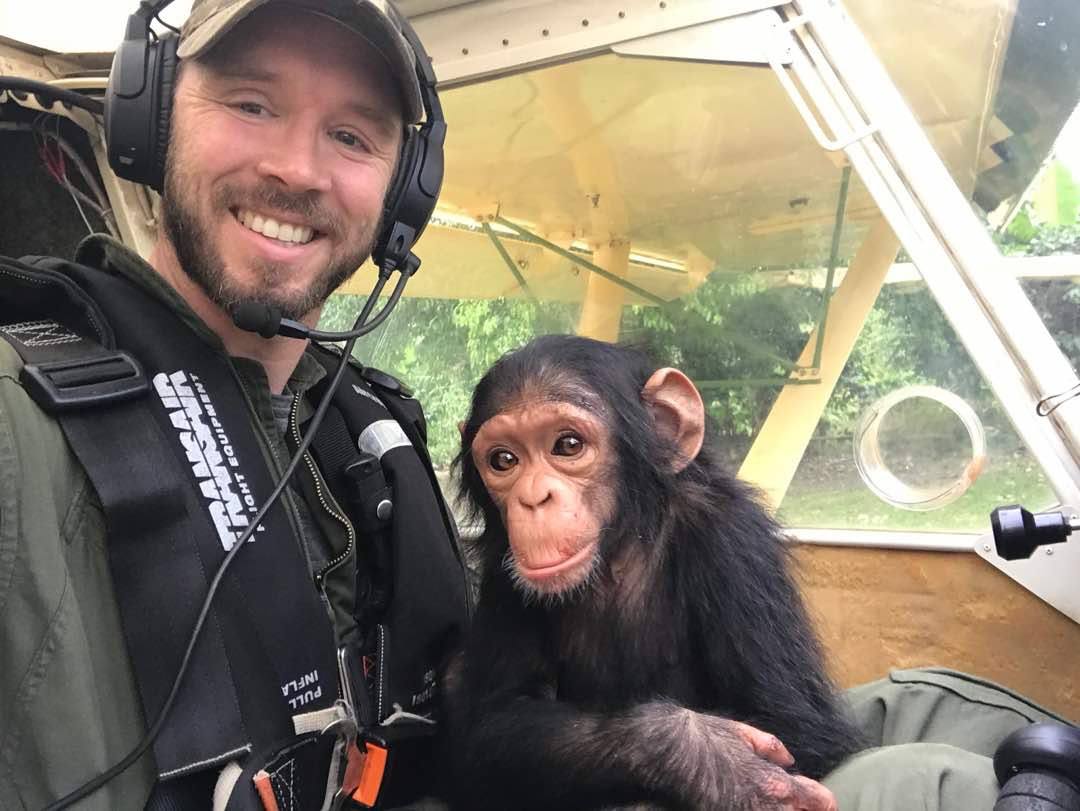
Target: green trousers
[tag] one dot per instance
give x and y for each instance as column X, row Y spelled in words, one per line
column 933, row 734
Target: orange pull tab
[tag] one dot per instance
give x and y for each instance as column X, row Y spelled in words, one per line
column 265, row 790
column 371, row 775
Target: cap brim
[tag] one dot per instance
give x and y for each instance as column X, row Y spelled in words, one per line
column 362, row 16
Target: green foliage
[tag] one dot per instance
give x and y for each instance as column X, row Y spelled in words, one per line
column 442, row 347
column 1055, row 299
column 881, row 360
column 732, row 329
column 736, row 335
column 1027, row 237
column 1068, row 194
column 1022, row 229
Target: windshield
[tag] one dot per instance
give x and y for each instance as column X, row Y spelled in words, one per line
column 685, row 207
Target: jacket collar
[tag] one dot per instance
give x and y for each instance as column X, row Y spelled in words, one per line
column 108, row 254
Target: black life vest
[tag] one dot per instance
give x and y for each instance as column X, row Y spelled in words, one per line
column 160, row 423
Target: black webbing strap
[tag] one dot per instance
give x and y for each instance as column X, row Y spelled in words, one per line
column 98, row 395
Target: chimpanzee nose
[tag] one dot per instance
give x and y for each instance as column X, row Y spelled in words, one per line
column 534, row 491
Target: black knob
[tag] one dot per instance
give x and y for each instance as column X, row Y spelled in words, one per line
column 1018, row 533
column 1039, row 768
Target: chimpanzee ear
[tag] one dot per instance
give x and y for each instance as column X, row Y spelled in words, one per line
column 677, row 410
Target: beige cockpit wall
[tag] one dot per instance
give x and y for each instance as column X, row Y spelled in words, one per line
column 606, row 157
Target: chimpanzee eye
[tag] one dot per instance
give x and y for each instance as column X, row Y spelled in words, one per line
column 502, row 460
column 568, row 445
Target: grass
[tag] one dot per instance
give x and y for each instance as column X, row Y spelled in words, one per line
column 1016, row 481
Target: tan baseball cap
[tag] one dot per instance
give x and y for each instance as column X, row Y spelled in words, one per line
column 210, row 20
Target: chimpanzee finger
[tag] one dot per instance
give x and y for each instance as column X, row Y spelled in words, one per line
column 810, row 795
column 764, row 744
column 795, row 793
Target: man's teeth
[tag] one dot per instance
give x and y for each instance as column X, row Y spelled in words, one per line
column 268, row 227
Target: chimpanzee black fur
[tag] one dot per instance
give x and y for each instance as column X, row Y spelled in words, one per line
column 583, row 703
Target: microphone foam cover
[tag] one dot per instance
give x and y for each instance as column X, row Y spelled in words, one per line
column 255, row 316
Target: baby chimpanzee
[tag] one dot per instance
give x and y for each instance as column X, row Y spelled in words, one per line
column 639, row 637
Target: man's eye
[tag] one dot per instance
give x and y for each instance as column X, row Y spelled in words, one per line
column 501, row 460
column 348, row 139
column 568, row 445
column 251, row 108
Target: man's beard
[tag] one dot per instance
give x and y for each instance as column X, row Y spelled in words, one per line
column 200, row 258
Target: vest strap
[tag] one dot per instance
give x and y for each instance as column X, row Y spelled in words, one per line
column 98, row 395
column 179, row 471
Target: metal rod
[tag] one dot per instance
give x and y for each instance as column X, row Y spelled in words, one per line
column 913, row 540
column 756, row 381
column 510, row 263
column 585, row 263
column 826, row 293
column 748, row 345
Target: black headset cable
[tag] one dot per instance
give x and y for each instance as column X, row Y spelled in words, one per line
column 46, row 92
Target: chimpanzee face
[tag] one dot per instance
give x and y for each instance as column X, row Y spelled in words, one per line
column 550, row 468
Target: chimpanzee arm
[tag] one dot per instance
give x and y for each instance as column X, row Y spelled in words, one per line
column 514, row 745
column 758, row 643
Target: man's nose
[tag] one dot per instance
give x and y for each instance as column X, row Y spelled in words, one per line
column 296, row 157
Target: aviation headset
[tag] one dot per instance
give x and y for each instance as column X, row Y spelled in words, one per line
column 138, row 111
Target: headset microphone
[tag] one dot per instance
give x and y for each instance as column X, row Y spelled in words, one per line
column 266, row 320
column 253, row 316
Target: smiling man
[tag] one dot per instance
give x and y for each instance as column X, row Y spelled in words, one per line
column 286, row 127
column 280, row 157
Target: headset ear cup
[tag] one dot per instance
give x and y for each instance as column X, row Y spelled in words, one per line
column 397, row 195
column 399, row 184
column 167, row 64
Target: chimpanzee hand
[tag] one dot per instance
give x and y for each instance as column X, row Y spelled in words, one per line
column 743, row 769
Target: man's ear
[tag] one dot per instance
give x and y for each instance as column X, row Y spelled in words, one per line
column 678, row 411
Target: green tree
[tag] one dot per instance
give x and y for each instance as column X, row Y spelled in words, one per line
column 441, row 347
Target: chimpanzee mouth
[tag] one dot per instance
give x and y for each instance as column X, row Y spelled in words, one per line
column 557, row 580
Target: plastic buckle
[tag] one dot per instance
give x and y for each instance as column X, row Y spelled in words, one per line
column 98, row 380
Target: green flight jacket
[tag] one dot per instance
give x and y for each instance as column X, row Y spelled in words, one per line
column 69, row 706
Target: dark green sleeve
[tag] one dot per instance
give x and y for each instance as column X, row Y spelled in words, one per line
column 68, row 704
column 933, row 734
